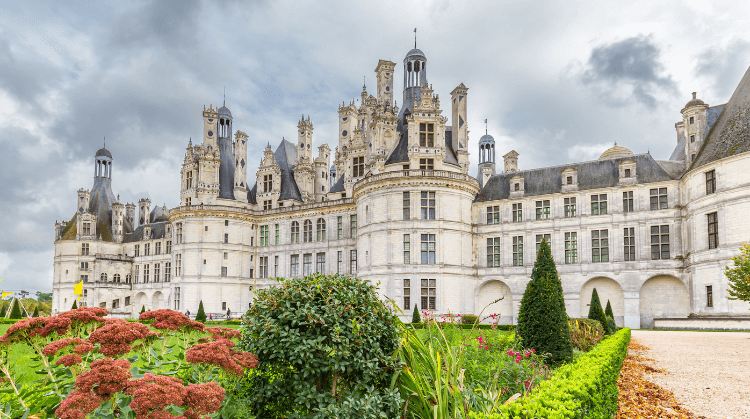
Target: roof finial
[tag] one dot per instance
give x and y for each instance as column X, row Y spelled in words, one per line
column 225, row 96
column 694, row 93
column 485, row 127
column 105, row 141
column 415, row 38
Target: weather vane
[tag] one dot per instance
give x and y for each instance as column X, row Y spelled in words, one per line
column 485, row 127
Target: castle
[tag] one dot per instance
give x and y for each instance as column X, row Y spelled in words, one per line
column 395, row 204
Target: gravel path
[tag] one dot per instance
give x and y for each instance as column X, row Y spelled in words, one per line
column 708, row 372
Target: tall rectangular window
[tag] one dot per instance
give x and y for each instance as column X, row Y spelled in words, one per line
column 168, row 247
column 157, row 248
column 358, row 166
column 167, row 271
column 321, row 230
column 517, row 250
column 353, row 225
column 147, row 249
column 426, row 164
column 307, row 231
column 145, row 273
column 267, row 183
column 276, row 266
column 294, row 265
column 659, row 242
column 352, row 262
column 493, row 251
column 629, row 243
column 542, row 209
column 429, row 294
column 178, row 238
column 407, row 205
column 428, row 249
column 407, row 249
column 598, row 204
column 267, row 204
column 493, row 214
column 570, row 207
column 428, row 205
column 320, row 263
column 176, row 298
column 137, row 268
column 340, row 226
column 713, row 230
column 86, row 229
column 658, row 198
column 427, row 135
column 263, row 267
column 226, row 238
column 264, row 236
column 157, row 273
column 540, row 237
column 627, row 201
column 307, row 264
column 277, row 240
column 224, row 271
column 340, row 262
column 571, row 247
column 177, row 264
column 136, row 250
column 188, row 179
column 295, row 232
column 600, row 245
column 709, row 296
column 85, row 249
column 517, row 212
column 407, row 294
column 710, row 182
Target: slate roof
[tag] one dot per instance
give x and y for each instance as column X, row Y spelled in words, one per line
column 157, row 232
column 251, row 194
column 679, row 150
column 730, row 134
column 594, row 174
column 338, row 186
column 400, row 154
column 226, row 169
column 450, row 154
column 286, row 158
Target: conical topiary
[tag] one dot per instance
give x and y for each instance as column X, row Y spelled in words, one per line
column 542, row 320
column 416, row 318
column 3, row 308
column 596, row 312
column 143, row 309
column 201, row 315
column 75, row 304
column 36, row 312
column 608, row 310
column 15, row 312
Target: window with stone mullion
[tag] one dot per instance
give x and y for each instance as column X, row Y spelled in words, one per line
column 571, row 247
column 493, row 252
column 659, row 242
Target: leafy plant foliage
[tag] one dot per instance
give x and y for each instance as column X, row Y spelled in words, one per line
column 739, row 275
column 326, row 347
column 542, row 320
column 415, row 317
column 585, row 333
column 597, row 313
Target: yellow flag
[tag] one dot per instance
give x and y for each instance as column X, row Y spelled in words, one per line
column 78, row 288
column 5, row 294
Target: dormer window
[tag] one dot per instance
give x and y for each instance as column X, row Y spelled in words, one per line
column 569, row 180
column 427, row 135
column 267, row 183
column 358, row 166
column 627, row 172
column 517, row 187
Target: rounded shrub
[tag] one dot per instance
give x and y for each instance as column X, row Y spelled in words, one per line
column 469, row 319
column 585, row 333
column 611, row 326
column 326, row 347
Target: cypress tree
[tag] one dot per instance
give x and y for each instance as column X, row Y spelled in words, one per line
column 596, row 312
column 36, row 312
column 15, row 312
column 542, row 320
column 143, row 309
column 3, row 308
column 608, row 310
column 75, row 304
column 415, row 318
column 201, row 315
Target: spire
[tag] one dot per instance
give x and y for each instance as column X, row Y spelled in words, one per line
column 225, row 96
column 485, row 127
column 415, row 38
column 105, row 141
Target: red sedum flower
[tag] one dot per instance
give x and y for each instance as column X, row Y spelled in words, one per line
column 69, row 360
column 153, row 393
column 223, row 332
column 203, row 399
column 171, row 320
column 78, row 404
column 106, row 377
column 117, row 335
column 220, row 354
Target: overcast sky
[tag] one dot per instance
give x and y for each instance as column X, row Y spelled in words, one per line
column 559, row 82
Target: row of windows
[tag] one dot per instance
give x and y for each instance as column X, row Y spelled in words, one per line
column 657, row 200
column 428, row 294
column 157, row 273
column 157, row 248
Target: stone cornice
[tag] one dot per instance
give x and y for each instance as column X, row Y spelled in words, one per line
column 424, row 177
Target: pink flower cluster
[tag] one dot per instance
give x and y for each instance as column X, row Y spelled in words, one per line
column 61, row 324
column 117, row 335
column 221, row 353
column 521, row 355
column 153, row 393
column 482, row 343
column 171, row 320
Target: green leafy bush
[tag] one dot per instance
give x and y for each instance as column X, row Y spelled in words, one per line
column 597, row 313
column 542, row 320
column 201, row 315
column 611, row 325
column 469, row 319
column 327, row 347
column 415, row 318
column 585, row 333
column 739, row 275
column 585, row 388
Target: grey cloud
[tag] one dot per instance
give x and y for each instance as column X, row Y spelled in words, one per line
column 25, row 80
column 628, row 68
column 724, row 66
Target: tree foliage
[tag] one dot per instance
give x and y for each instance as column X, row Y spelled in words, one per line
column 201, row 315
column 415, row 317
column 326, row 347
column 36, row 312
column 3, row 308
column 597, row 313
column 739, row 275
column 542, row 320
column 75, row 304
column 16, row 312
column 608, row 310
column 143, row 309
column 44, row 296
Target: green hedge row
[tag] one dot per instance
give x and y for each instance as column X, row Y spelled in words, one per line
column 504, row 327
column 585, row 388
column 8, row 321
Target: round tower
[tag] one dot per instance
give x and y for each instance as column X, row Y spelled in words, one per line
column 415, row 76
column 240, row 166
column 103, row 164
column 84, row 198
column 694, row 123
column 130, row 213
column 118, row 220
column 144, row 211
column 332, row 176
column 486, row 159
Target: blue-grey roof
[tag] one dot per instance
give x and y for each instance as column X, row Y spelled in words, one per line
column 226, row 169
column 679, row 150
column 100, row 204
column 251, row 194
column 400, row 153
column 712, row 115
column 286, row 158
column 486, row 139
column 157, row 232
column 224, row 111
column 103, row 152
column 338, row 186
column 415, row 53
column 594, row 174
column 450, row 154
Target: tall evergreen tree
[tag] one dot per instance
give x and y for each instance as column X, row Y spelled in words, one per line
column 201, row 315
column 542, row 320
column 15, row 312
column 415, row 318
column 75, row 304
column 596, row 312
column 143, row 309
column 3, row 308
column 36, row 312
column 608, row 310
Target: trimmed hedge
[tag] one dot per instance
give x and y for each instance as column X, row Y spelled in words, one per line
column 585, row 388
column 504, row 327
column 9, row 321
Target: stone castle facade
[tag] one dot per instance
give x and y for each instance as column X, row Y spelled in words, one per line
column 395, row 204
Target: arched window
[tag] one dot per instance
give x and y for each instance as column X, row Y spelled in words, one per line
column 104, row 277
column 116, row 278
column 307, row 233
column 321, row 229
column 295, row 232
column 128, row 278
